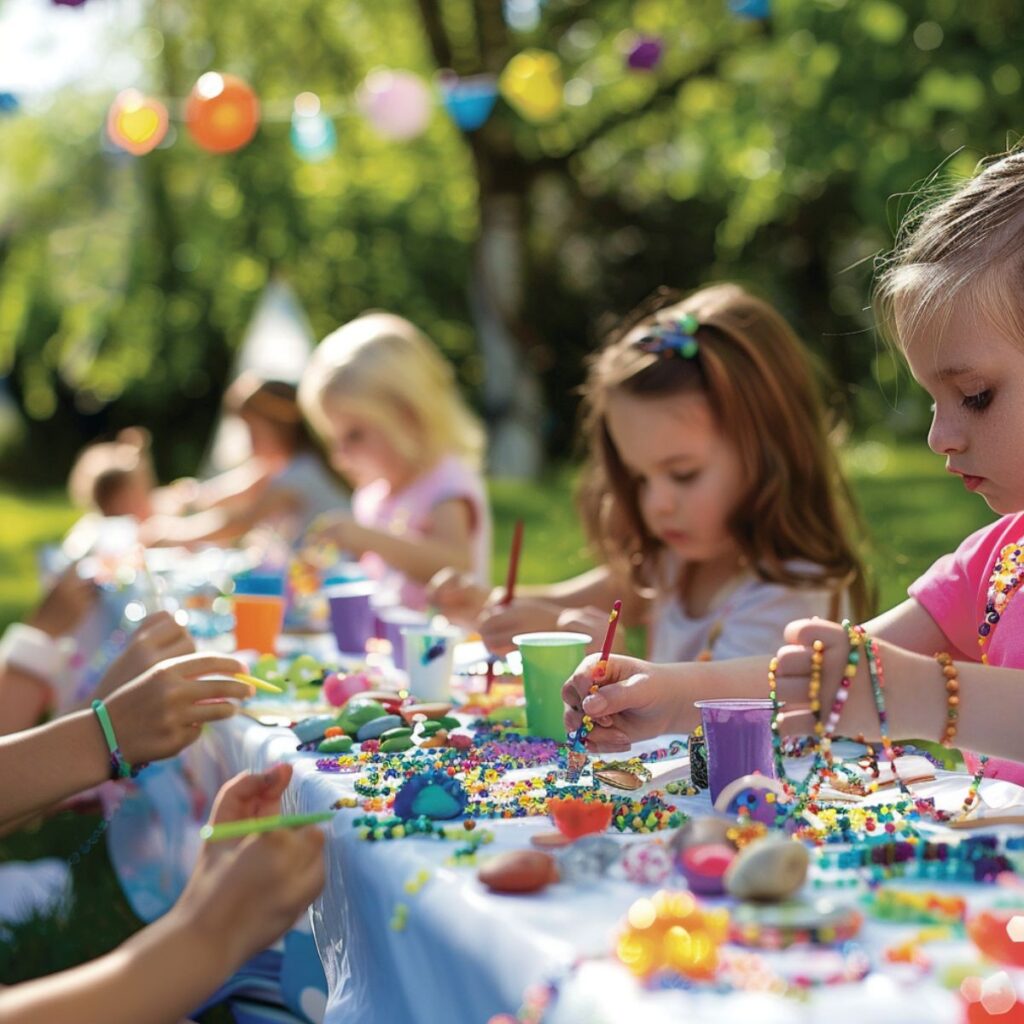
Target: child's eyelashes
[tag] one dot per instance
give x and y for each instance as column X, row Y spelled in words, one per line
column 685, row 478
column 978, row 401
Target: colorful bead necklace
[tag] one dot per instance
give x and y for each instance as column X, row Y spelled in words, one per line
column 1006, row 579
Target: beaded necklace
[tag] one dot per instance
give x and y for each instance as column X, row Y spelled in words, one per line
column 1006, row 579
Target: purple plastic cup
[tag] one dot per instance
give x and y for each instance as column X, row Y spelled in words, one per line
column 738, row 736
column 393, row 620
column 351, row 615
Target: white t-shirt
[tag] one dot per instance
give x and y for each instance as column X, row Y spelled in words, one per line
column 749, row 620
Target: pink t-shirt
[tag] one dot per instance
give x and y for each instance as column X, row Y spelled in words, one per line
column 954, row 592
column 407, row 513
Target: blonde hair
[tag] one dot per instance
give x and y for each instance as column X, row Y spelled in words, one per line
column 382, row 364
column 102, row 469
column 958, row 250
column 760, row 384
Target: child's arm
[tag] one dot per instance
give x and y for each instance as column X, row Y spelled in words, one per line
column 153, row 717
column 909, row 626
column 447, row 542
column 240, row 898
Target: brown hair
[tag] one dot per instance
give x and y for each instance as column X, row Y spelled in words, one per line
column 274, row 401
column 963, row 246
column 102, row 469
column 759, row 381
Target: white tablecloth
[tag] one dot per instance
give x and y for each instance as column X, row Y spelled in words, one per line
column 466, row 954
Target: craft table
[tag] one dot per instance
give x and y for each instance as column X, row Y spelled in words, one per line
column 464, row 954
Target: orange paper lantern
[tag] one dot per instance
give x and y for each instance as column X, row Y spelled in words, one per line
column 222, row 112
column 136, row 123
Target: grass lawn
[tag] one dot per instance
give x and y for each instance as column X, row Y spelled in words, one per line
column 915, row 513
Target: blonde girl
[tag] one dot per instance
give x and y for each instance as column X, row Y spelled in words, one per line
column 387, row 404
column 713, row 497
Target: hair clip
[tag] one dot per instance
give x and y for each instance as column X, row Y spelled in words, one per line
column 676, row 336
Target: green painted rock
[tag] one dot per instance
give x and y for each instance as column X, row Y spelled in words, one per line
column 358, row 712
column 396, row 744
column 336, row 745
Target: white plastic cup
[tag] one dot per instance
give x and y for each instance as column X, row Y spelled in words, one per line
column 430, row 660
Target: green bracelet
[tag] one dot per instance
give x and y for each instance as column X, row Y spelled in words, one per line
column 119, row 767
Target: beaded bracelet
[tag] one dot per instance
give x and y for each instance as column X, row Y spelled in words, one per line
column 119, row 767
column 952, row 676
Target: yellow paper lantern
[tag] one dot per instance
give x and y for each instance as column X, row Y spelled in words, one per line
column 532, row 84
column 136, row 123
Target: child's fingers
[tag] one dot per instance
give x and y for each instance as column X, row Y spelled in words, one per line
column 194, row 690
column 805, row 631
column 237, row 796
column 615, row 698
column 607, row 739
column 216, row 711
column 793, row 660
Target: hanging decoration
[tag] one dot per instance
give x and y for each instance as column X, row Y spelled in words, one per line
column 222, row 112
column 313, row 135
column 8, row 103
column 469, row 101
column 136, row 123
column 644, row 53
column 532, row 84
column 396, row 103
column 754, row 10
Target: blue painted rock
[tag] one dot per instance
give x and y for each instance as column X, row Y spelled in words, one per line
column 312, row 729
column 374, row 728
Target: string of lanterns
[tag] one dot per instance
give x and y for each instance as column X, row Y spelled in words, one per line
column 222, row 113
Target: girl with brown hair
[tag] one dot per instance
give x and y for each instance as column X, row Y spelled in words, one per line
column 713, row 496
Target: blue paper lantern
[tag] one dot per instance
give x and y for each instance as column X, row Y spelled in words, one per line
column 755, row 10
column 8, row 103
column 312, row 134
column 469, row 101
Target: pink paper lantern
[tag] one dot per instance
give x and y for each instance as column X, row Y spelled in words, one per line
column 397, row 103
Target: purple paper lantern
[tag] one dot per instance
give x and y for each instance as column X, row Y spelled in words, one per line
column 645, row 53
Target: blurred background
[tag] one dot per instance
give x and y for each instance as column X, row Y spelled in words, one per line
column 506, row 173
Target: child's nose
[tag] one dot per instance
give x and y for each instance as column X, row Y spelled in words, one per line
column 946, row 434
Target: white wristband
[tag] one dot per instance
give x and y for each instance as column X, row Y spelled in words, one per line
column 31, row 650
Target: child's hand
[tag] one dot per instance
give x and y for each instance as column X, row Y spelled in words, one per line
column 594, row 623
column 331, row 528
column 157, row 639
column 244, row 895
column 65, row 604
column 635, row 702
column 793, row 677
column 160, row 713
column 500, row 622
column 457, row 596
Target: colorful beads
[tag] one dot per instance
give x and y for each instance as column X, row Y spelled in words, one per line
column 951, row 676
column 1005, row 581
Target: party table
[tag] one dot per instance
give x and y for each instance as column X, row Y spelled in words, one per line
column 406, row 935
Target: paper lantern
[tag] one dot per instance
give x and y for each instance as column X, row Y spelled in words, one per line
column 8, row 103
column 532, row 84
column 313, row 135
column 397, row 103
column 755, row 10
column 222, row 112
column 470, row 100
column 136, row 123
column 644, row 53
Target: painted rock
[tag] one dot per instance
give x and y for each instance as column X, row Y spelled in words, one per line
column 460, row 741
column 704, row 867
column 699, row 832
column 396, row 744
column 312, row 729
column 769, row 870
column 589, row 858
column 646, row 863
column 395, row 733
column 518, row 871
column 428, row 710
column 434, row 794
column 335, row 745
column 376, row 727
column 388, row 698
column 305, row 669
column 756, row 797
column 437, row 738
column 358, row 713
column 339, row 689
column 450, row 723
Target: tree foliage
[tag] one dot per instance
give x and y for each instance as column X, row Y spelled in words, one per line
column 767, row 152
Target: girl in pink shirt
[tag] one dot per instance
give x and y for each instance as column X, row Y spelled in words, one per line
column 387, row 403
column 951, row 298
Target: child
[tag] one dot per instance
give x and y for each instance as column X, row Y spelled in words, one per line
column 285, row 484
column 387, row 404
column 951, row 299
column 713, row 497
column 115, row 478
column 242, row 896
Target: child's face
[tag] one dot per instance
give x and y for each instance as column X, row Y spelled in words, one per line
column 688, row 474
column 132, row 498
column 362, row 451
column 975, row 374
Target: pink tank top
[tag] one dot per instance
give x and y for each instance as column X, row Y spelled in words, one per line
column 407, row 513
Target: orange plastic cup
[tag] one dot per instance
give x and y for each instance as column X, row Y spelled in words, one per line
column 258, row 622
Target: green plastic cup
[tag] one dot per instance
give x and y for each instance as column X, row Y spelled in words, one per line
column 548, row 661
